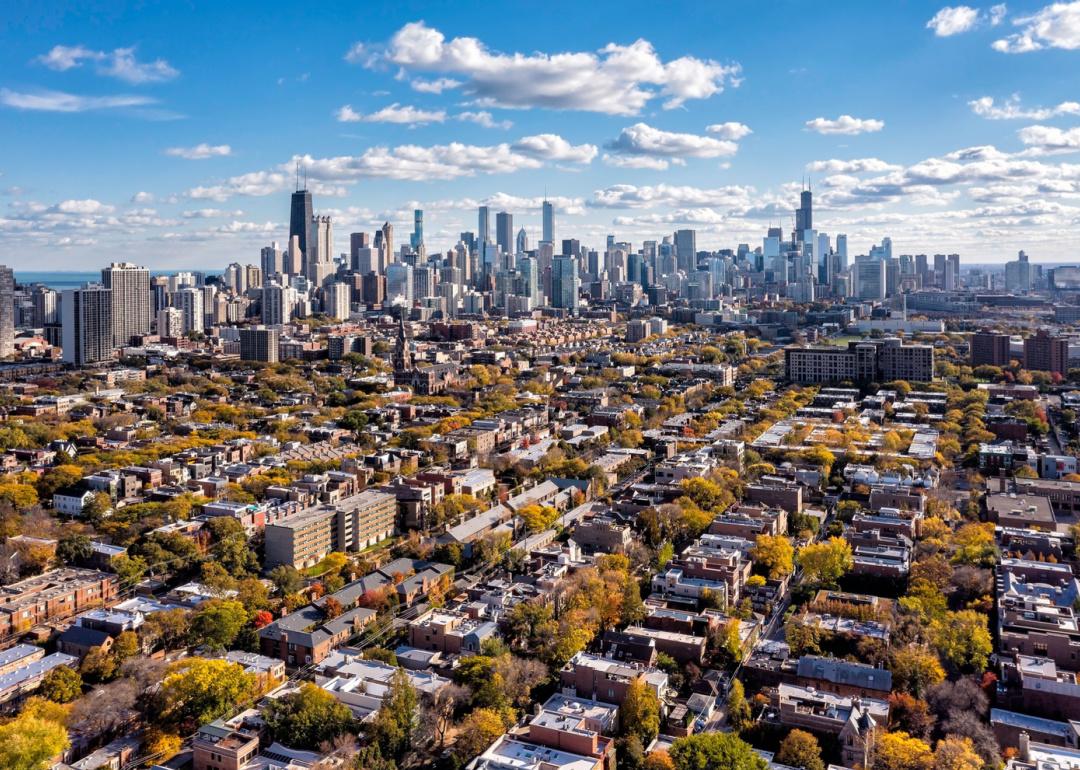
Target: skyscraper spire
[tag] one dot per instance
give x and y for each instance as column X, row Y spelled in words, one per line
column 297, row 175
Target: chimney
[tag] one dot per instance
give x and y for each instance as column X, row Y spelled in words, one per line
column 1025, row 746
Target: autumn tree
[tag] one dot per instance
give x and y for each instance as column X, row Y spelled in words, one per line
column 61, row 685
column 775, row 554
column 216, row 622
column 899, row 751
column 826, row 562
column 956, row 753
column 476, row 732
column 640, row 712
column 395, row 721
column 914, row 669
column 800, row 749
column 739, row 715
column 30, row 743
column 963, row 639
column 199, row 690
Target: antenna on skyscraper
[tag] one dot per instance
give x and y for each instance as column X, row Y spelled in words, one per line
column 298, row 175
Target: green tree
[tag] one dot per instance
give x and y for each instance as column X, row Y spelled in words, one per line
column 800, row 749
column 199, row 690
column 307, row 717
column 707, row 751
column 640, row 712
column 130, row 569
column 30, row 743
column 397, row 718
column 287, row 579
column 216, row 622
column 74, row 548
column 963, row 639
column 61, row 685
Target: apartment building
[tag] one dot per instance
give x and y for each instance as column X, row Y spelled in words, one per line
column 854, row 720
column 450, row 631
column 862, row 362
column 54, row 595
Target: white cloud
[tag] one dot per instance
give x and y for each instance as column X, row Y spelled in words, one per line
column 1011, row 109
column 484, row 118
column 200, row 151
column 210, row 214
column 997, row 14
column 436, row 86
column 119, row 63
column 730, row 130
column 59, row 101
column 1048, row 139
column 395, row 113
column 86, row 206
column 332, row 176
column 623, row 196
column 953, row 20
column 1055, row 26
column 643, row 139
column 636, row 161
column 617, row 79
column 554, row 147
column 142, row 197
column 845, row 124
column 853, row 166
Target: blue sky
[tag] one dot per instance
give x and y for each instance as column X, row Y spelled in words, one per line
column 165, row 132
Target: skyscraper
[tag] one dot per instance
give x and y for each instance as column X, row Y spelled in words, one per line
column 548, row 212
column 258, row 343
column 357, row 241
column 522, row 244
column 270, row 260
column 483, row 230
column 300, row 222
column 130, row 287
column 504, row 232
column 189, row 301
column 336, row 304
column 86, row 318
column 7, row 312
column 416, row 240
column 804, row 215
column 320, row 261
column 565, row 284
column 686, row 250
column 388, row 243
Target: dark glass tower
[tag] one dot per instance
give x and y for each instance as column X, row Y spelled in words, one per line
column 300, row 219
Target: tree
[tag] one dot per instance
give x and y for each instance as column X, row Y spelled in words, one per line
column 130, row 569
column 98, row 666
column 307, row 717
column 826, row 562
column 910, row 715
column 477, row 731
column 658, row 760
column 199, row 690
column 125, row 646
column 775, row 554
column 30, row 743
column 955, row 753
column 729, row 639
column 538, row 518
column 440, row 711
column 963, row 639
column 899, row 751
column 915, row 669
column 216, row 622
column 287, row 579
column 739, row 716
column 169, row 628
column 61, row 685
column 74, row 548
column 640, row 712
column 800, row 749
column 706, row 751
column 394, row 724
column 161, row 746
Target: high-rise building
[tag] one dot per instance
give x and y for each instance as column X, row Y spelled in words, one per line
column 258, row 343
column 170, row 322
column 130, row 287
column 416, row 240
column 483, row 229
column 522, row 245
column 952, row 272
column 357, row 241
column 270, row 260
column 571, row 247
column 1019, row 276
column 1043, row 353
column 686, row 250
column 338, row 300
column 388, row 243
column 277, row 304
column 804, row 215
column 320, row 262
column 301, row 219
column 86, row 319
column 504, row 232
column 7, row 311
column 870, row 278
column 45, row 303
column 989, row 348
column 189, row 301
column 565, row 283
column 294, row 259
column 548, row 215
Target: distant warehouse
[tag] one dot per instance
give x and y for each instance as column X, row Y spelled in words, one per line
column 864, row 361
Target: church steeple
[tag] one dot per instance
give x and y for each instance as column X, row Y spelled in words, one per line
column 403, row 362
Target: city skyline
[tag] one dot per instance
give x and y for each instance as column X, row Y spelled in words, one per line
column 957, row 136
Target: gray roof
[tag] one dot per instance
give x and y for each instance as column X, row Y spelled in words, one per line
column 844, row 672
